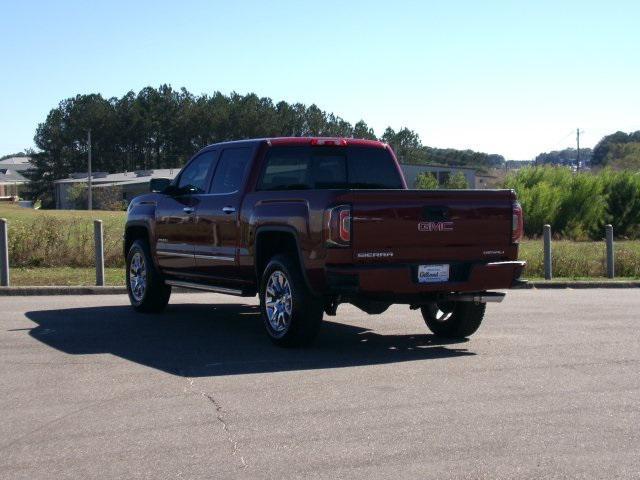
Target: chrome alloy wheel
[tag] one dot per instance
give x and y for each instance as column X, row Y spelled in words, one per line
column 278, row 302
column 138, row 276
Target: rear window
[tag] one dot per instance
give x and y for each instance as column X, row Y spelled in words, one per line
column 305, row 168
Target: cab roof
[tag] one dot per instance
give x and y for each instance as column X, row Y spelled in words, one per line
column 319, row 141
column 329, row 141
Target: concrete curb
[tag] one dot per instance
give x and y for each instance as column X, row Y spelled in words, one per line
column 64, row 290
column 15, row 291
column 581, row 284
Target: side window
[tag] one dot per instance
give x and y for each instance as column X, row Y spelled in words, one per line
column 231, row 170
column 193, row 179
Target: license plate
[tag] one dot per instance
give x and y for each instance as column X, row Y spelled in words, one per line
column 433, row 273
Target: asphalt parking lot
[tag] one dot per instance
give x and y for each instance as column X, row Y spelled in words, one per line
column 548, row 388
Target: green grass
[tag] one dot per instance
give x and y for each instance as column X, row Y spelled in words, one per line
column 61, row 238
column 576, row 260
column 582, row 279
column 59, row 276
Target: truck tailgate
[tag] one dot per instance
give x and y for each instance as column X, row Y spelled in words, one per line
column 417, row 225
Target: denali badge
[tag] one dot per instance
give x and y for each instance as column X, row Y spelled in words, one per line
column 435, row 226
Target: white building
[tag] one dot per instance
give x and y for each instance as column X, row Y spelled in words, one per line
column 131, row 183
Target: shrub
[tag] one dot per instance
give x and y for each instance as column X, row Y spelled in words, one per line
column 582, row 208
column 77, row 195
column 622, row 193
column 426, row 181
column 109, row 198
column 578, row 205
column 457, row 181
column 104, row 198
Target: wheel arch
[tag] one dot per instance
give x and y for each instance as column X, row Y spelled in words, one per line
column 133, row 232
column 272, row 240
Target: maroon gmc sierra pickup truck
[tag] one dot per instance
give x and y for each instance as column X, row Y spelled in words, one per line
column 309, row 223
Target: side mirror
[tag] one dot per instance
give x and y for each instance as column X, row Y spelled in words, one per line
column 159, row 185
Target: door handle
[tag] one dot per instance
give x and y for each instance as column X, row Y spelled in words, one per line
column 188, row 210
column 228, row 210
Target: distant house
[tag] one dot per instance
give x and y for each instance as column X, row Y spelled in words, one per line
column 517, row 164
column 441, row 172
column 489, row 181
column 12, row 179
column 132, row 184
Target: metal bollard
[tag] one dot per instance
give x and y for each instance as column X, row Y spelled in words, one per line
column 548, row 274
column 610, row 255
column 4, row 253
column 97, row 232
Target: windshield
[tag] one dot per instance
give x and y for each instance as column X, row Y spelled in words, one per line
column 307, row 167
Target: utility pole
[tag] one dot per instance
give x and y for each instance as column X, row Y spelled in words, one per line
column 89, row 197
column 578, row 156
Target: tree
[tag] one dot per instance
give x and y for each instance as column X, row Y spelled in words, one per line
column 406, row 144
column 163, row 127
column 602, row 151
column 624, row 156
column 362, row 130
column 41, row 177
column 426, row 181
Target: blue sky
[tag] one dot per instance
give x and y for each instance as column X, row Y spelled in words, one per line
column 498, row 76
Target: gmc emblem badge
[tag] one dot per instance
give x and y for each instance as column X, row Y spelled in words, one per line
column 435, row 227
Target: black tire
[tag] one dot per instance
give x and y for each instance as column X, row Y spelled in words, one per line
column 301, row 325
column 453, row 319
column 154, row 295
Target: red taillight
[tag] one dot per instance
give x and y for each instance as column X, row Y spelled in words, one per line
column 338, row 225
column 517, row 223
column 334, row 142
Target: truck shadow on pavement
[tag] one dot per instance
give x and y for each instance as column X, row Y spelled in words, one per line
column 196, row 340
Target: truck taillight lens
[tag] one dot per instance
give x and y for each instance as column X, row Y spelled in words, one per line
column 338, row 225
column 517, row 223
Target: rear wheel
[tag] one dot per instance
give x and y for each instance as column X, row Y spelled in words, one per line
column 147, row 291
column 291, row 314
column 453, row 319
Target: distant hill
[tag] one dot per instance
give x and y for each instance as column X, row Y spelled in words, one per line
column 568, row 157
column 409, row 149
